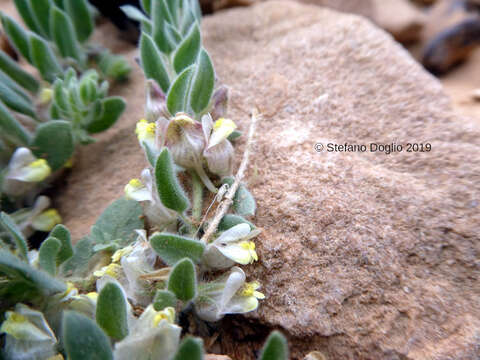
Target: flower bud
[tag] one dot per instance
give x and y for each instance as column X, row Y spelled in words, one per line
column 24, row 169
column 219, row 151
column 46, row 220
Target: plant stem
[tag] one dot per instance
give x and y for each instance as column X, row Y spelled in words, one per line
column 228, row 200
column 197, row 189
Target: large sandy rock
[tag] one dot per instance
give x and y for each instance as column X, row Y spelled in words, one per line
column 363, row 255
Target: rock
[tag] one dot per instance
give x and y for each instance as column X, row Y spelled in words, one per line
column 400, row 18
column 451, row 34
column 363, row 255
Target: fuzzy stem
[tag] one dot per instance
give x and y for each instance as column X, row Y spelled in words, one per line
column 197, row 189
column 228, row 200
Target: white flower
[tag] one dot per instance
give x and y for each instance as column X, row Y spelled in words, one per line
column 152, row 336
column 24, row 170
column 147, row 193
column 229, row 295
column 28, row 335
column 219, row 152
column 232, row 246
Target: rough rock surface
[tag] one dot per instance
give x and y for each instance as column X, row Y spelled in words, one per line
column 363, row 255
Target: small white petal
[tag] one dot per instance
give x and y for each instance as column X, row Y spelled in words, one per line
column 235, row 233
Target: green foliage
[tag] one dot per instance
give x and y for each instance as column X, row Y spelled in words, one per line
column 54, row 141
column 9, row 225
column 61, row 233
column 15, row 102
column 11, row 128
column 188, row 50
column 275, row 347
column 47, row 255
column 83, row 339
column 152, row 62
column 183, row 280
column 44, row 59
column 81, row 18
column 190, row 349
column 169, row 189
column 172, row 248
column 117, row 223
column 243, row 202
column 16, row 73
column 17, row 35
column 22, row 283
column 110, row 110
column 163, row 299
column 111, row 313
column 230, row 220
column 63, row 34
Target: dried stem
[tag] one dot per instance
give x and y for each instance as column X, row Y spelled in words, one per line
column 228, row 200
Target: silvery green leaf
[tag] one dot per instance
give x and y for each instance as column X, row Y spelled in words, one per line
column 275, row 348
column 78, row 264
column 24, row 283
column 12, row 229
column 54, row 141
column 173, row 36
column 83, row 339
column 172, row 248
column 152, row 62
column 119, row 221
column 169, row 189
column 183, row 280
column 63, row 33
column 15, row 102
column 23, row 78
column 23, row 8
column 134, row 13
column 234, row 135
column 147, row 6
column 60, row 97
column 163, row 299
column 44, row 59
column 230, row 220
column 6, row 80
column 187, row 52
column 41, row 11
column 81, row 17
column 47, row 255
column 197, row 11
column 61, row 233
column 87, row 90
column 114, row 66
column 190, row 349
column 243, row 203
column 11, row 128
column 112, row 107
column 187, row 21
column 160, row 16
column 111, row 314
column 17, row 36
column 59, row 3
column 202, row 85
column 177, row 97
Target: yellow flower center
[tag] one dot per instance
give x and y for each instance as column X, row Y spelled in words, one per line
column 136, row 183
column 145, row 130
column 38, row 163
column 112, row 270
column 248, row 245
column 224, row 123
column 92, row 295
column 166, row 314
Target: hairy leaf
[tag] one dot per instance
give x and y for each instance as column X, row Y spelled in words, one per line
column 177, row 97
column 172, row 248
column 183, row 280
column 275, row 347
column 83, row 339
column 111, row 313
column 112, row 107
column 81, row 18
column 9, row 225
column 54, row 141
column 152, row 62
column 190, row 349
column 44, row 59
column 61, row 233
column 25, row 11
column 169, row 189
column 41, row 11
column 17, row 36
column 163, row 299
column 188, row 50
column 23, row 78
column 11, row 128
column 202, row 85
column 63, row 34
column 47, row 255
column 15, row 102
